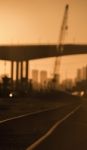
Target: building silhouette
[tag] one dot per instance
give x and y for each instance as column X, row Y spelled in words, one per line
column 43, row 78
column 81, row 74
column 35, row 74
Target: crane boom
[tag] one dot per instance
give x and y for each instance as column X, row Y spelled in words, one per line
column 63, row 29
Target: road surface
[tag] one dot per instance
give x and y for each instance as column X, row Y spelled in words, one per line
column 70, row 135
column 21, row 133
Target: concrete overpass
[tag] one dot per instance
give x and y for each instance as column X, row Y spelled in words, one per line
column 27, row 52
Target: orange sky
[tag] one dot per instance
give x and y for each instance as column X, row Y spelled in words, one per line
column 39, row 21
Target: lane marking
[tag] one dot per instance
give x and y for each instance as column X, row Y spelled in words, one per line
column 29, row 114
column 50, row 131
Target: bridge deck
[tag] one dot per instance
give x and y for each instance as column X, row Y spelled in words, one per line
column 27, row 52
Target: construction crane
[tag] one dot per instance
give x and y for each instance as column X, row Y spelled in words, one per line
column 59, row 48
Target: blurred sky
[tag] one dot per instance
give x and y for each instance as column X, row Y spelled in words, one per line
column 39, row 22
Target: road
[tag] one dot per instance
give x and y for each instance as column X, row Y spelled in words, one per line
column 70, row 135
column 21, row 133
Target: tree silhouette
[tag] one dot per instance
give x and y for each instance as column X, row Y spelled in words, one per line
column 5, row 85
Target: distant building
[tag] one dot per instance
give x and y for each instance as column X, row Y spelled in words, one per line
column 35, row 79
column 43, row 78
column 86, row 72
column 35, row 75
column 81, row 74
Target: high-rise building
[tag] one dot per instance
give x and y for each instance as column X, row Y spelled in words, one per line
column 79, row 75
column 43, row 78
column 34, row 75
column 86, row 72
column 35, row 79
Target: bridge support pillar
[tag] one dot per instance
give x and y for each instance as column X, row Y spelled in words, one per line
column 21, row 70
column 12, row 70
column 26, row 71
column 12, row 73
column 17, row 71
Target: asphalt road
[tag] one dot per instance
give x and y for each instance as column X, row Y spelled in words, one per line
column 70, row 135
column 18, row 134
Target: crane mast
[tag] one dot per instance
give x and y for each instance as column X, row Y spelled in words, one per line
column 60, row 44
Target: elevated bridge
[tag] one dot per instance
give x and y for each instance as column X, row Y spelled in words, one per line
column 25, row 53
column 28, row 52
